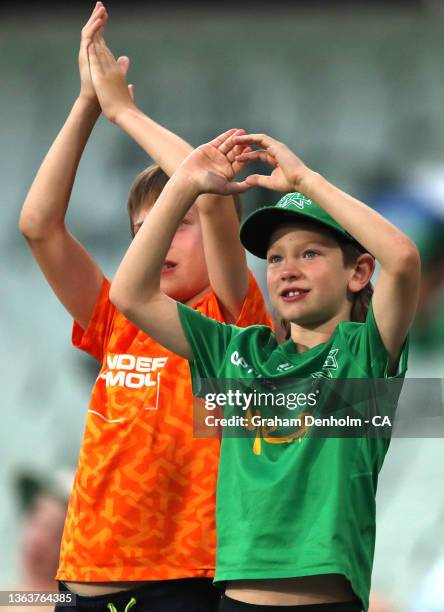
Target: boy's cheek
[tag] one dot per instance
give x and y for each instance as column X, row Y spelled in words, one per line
column 187, row 242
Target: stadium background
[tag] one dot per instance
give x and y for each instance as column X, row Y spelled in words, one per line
column 355, row 88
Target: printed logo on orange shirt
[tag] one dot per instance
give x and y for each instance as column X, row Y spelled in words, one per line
column 131, row 372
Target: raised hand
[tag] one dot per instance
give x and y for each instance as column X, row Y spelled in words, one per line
column 212, row 166
column 288, row 170
column 97, row 20
column 108, row 75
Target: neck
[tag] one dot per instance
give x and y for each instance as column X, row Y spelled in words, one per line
column 308, row 336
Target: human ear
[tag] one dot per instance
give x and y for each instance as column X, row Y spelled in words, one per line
column 362, row 272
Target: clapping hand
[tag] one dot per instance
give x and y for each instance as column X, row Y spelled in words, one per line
column 108, row 75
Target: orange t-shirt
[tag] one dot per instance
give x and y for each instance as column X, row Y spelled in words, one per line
column 143, row 501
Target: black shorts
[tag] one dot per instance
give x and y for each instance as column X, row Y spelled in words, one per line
column 184, row 595
column 231, row 605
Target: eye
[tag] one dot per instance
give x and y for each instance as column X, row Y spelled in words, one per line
column 310, row 254
column 273, row 258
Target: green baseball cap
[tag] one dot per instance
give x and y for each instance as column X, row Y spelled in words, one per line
column 257, row 228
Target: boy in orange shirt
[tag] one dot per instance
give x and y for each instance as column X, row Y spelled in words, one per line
column 140, row 526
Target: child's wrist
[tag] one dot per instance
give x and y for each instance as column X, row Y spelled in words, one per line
column 126, row 113
column 182, row 180
column 88, row 104
column 308, row 182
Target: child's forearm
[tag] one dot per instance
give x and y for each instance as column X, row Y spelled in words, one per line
column 391, row 247
column 224, row 254
column 227, row 268
column 166, row 148
column 47, row 201
column 137, row 279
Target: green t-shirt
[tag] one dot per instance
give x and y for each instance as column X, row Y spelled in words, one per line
column 307, row 506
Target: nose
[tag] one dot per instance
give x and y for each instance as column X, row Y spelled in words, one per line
column 290, row 273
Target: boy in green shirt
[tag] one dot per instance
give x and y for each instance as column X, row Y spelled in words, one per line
column 295, row 521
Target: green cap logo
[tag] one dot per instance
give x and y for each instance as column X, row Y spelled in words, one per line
column 293, row 207
column 294, row 199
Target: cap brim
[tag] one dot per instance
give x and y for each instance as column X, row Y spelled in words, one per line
column 256, row 231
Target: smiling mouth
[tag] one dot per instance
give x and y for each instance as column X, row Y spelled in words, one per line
column 292, row 295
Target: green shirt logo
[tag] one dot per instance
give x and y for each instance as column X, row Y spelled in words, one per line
column 330, row 365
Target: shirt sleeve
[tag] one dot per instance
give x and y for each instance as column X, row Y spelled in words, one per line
column 94, row 339
column 366, row 345
column 208, row 339
column 253, row 311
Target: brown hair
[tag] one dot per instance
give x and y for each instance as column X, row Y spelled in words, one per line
column 149, row 184
column 361, row 299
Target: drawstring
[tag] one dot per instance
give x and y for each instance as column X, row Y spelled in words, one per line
column 132, row 602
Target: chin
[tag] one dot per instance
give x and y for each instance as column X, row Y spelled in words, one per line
column 303, row 318
column 295, row 315
column 172, row 288
column 179, row 294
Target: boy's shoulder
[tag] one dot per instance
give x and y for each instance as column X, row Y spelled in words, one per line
column 257, row 342
column 253, row 311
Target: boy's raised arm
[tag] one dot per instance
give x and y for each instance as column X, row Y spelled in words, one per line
column 396, row 292
column 72, row 273
column 136, row 287
column 224, row 254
